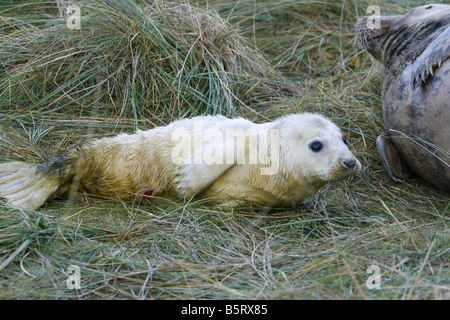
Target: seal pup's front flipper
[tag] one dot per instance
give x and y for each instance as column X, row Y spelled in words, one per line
column 223, row 145
column 196, row 174
column 431, row 59
column 392, row 162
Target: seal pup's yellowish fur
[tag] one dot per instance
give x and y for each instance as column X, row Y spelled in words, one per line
column 279, row 163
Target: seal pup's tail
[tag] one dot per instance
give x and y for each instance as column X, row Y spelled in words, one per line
column 26, row 186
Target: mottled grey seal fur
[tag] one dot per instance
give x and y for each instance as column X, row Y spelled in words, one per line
column 415, row 50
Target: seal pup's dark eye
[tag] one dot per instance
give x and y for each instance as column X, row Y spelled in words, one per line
column 345, row 140
column 316, row 146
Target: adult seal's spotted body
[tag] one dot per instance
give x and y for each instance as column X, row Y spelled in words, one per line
column 415, row 50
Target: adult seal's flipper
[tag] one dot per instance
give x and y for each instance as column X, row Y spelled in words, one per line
column 392, row 162
column 431, row 59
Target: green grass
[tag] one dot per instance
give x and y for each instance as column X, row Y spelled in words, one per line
column 136, row 66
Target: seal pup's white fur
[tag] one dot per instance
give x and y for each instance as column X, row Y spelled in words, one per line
column 279, row 163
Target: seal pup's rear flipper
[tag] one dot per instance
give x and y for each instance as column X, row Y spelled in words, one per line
column 25, row 186
column 392, row 162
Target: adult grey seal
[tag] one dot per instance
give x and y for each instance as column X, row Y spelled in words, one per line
column 415, row 49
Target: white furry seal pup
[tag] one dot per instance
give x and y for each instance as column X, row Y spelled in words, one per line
column 415, row 50
column 279, row 163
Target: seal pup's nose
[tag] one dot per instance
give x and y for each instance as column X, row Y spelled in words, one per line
column 350, row 164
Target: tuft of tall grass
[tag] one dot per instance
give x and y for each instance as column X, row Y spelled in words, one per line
column 157, row 59
column 304, row 36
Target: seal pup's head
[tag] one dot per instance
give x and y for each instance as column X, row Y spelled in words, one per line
column 409, row 34
column 313, row 148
